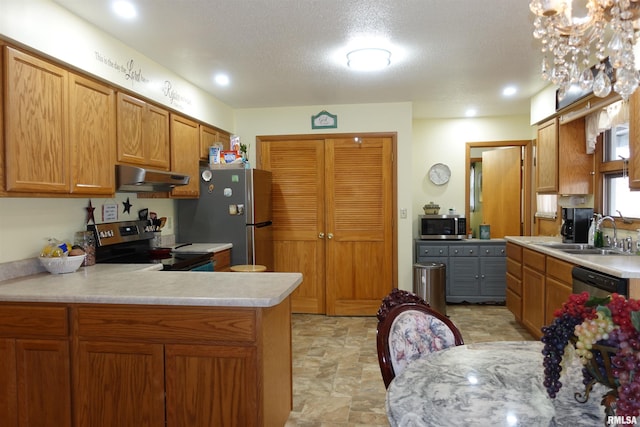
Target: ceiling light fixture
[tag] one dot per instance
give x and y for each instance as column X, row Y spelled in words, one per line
column 222, row 79
column 509, row 91
column 369, row 59
column 572, row 33
column 124, row 9
column 471, row 112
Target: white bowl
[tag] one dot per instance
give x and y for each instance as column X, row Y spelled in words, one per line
column 63, row 264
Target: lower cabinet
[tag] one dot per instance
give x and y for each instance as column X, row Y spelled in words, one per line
column 514, row 280
column 222, row 260
column 559, row 286
column 533, row 291
column 475, row 272
column 126, row 365
column 35, row 377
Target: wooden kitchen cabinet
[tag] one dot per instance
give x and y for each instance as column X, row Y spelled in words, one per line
column 562, row 165
column 222, row 260
column 514, row 280
column 92, row 136
column 185, row 146
column 142, row 133
column 210, row 136
column 182, row 366
column 559, row 284
column 533, row 291
column 35, row 374
column 634, row 141
column 36, row 124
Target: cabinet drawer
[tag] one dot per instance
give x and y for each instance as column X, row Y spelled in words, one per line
column 492, row 250
column 559, row 269
column 222, row 260
column 533, row 259
column 514, row 268
column 432, row 250
column 514, row 251
column 33, row 321
column 463, row 250
column 514, row 304
column 514, row 284
column 167, row 324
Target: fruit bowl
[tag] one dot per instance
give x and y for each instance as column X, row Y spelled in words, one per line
column 63, row 264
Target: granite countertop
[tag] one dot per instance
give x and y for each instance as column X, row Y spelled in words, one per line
column 493, row 383
column 144, row 284
column 624, row 266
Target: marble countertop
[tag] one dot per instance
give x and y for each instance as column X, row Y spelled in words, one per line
column 496, row 384
column 144, row 284
column 625, row 266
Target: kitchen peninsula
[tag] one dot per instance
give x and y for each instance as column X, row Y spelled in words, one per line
column 127, row 345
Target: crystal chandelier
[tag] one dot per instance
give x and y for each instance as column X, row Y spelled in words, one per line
column 603, row 29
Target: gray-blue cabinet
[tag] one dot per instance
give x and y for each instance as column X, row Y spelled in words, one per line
column 475, row 270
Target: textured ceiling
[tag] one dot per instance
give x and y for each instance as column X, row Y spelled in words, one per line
column 447, row 55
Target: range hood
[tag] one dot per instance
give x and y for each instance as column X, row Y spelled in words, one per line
column 133, row 179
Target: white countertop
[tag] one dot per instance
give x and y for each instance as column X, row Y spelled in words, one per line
column 625, row 266
column 200, row 248
column 144, row 284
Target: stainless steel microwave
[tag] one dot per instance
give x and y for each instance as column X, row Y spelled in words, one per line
column 436, row 227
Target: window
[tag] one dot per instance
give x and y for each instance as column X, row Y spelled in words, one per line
column 616, row 195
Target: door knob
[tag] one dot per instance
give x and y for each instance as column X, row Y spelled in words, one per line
column 329, row 236
column 321, row 236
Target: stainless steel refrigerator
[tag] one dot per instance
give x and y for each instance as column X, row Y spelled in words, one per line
column 234, row 207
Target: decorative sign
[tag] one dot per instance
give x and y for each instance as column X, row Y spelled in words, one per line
column 110, row 212
column 324, row 120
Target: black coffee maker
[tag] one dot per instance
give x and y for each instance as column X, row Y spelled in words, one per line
column 575, row 224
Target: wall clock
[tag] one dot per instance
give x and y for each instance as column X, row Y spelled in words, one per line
column 439, row 174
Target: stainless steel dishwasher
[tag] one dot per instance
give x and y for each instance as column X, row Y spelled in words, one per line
column 596, row 283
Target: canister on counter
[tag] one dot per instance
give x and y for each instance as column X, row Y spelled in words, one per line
column 485, row 231
column 87, row 241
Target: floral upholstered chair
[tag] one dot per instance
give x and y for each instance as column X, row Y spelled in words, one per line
column 407, row 329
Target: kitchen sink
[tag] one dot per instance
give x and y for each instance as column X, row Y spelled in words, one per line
column 594, row 251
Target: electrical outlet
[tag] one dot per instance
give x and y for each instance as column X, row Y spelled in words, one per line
column 403, row 213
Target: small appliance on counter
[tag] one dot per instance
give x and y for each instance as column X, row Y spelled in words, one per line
column 575, row 224
column 437, row 227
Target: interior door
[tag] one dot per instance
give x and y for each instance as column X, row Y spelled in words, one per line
column 297, row 167
column 359, row 224
column 501, row 187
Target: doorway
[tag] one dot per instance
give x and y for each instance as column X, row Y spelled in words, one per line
column 498, row 163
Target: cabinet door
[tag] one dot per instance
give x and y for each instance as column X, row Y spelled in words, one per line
column 463, row 277
column 44, row 383
column 575, row 166
column 547, row 157
column 557, row 293
column 130, row 112
column 533, row 300
column 493, row 277
column 634, row 141
column 119, row 384
column 8, row 383
column 36, row 126
column 185, row 144
column 93, row 136
column 212, row 386
column 156, row 137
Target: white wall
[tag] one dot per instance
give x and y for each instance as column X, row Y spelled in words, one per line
column 395, row 117
column 444, row 141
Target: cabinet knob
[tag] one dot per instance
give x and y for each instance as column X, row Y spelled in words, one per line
column 441, row 251
column 455, row 251
column 471, row 251
column 426, row 251
column 487, row 251
column 330, row 236
column 321, row 236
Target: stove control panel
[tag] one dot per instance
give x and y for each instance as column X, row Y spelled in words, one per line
column 119, row 232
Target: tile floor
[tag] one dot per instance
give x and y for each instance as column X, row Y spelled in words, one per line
column 336, row 376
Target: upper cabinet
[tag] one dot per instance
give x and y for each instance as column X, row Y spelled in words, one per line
column 36, row 125
column 185, row 146
column 634, row 141
column 92, row 136
column 563, row 165
column 143, row 133
column 210, row 136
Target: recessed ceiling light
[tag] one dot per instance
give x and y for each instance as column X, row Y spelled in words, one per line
column 124, row 9
column 222, row 79
column 471, row 112
column 509, row 91
column 368, row 59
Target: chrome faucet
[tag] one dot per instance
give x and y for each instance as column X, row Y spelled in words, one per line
column 615, row 232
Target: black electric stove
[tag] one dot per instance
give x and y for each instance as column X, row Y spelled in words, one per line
column 129, row 242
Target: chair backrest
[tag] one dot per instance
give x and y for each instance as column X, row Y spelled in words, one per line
column 407, row 329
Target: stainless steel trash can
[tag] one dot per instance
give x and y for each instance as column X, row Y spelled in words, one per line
column 429, row 283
